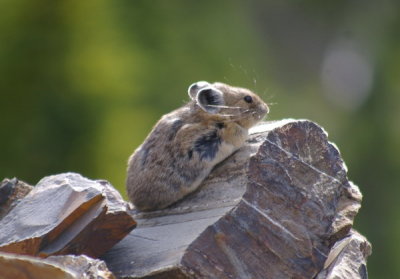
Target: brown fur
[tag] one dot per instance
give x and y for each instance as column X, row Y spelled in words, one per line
column 187, row 143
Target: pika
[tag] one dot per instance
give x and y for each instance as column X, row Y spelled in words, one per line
column 185, row 145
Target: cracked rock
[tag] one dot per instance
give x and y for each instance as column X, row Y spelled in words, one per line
column 274, row 209
column 66, row 214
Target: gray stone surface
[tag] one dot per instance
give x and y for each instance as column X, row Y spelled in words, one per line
column 16, row 266
column 66, row 214
column 347, row 258
column 280, row 207
column 12, row 191
column 84, row 267
column 272, row 210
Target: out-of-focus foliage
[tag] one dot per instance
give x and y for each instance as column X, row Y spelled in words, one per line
column 82, row 83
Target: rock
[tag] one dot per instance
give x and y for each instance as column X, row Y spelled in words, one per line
column 347, row 258
column 272, row 210
column 11, row 193
column 54, row 267
column 66, row 214
column 83, row 266
column 16, row 266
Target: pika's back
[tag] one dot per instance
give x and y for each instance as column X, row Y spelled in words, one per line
column 187, row 143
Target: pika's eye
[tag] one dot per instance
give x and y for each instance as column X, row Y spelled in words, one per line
column 248, row 99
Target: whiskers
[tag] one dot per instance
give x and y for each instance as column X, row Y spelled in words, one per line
column 239, row 113
column 225, row 107
column 231, row 111
column 247, row 113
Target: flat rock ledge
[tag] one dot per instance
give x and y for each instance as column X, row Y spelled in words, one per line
column 280, row 207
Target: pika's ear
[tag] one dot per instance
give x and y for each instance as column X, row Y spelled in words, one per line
column 195, row 87
column 209, row 99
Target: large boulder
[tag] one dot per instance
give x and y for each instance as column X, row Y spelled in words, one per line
column 275, row 209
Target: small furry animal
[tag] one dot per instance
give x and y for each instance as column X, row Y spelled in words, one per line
column 186, row 144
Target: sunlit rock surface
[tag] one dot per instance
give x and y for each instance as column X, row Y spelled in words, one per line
column 66, row 214
column 274, row 209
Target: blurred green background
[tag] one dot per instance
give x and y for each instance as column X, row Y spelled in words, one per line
column 82, row 83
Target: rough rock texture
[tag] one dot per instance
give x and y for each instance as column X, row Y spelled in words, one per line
column 347, row 258
column 83, row 266
column 14, row 266
column 66, row 214
column 11, row 193
column 272, row 210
